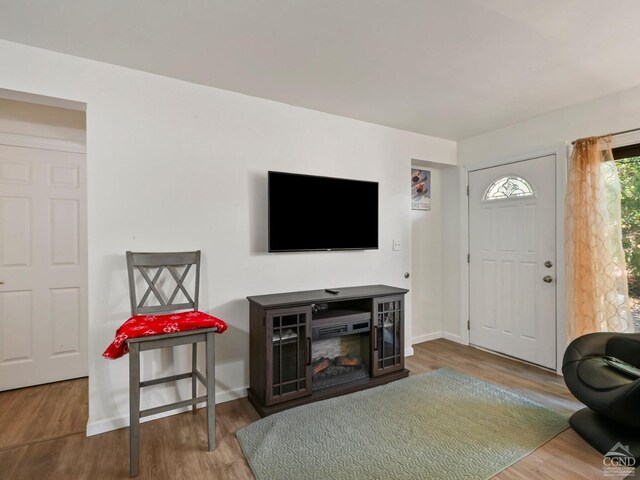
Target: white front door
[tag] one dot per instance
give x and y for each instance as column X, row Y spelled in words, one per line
column 43, row 310
column 512, row 235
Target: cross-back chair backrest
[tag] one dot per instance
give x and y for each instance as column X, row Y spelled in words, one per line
column 150, row 267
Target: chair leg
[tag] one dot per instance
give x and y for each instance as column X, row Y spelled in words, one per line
column 134, row 408
column 194, row 379
column 211, row 391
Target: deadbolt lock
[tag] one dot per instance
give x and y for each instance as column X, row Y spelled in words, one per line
column 548, row 264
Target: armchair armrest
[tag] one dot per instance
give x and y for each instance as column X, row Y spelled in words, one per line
column 586, row 346
column 626, row 347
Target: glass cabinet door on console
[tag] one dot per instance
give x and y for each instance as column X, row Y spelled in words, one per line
column 288, row 354
column 388, row 335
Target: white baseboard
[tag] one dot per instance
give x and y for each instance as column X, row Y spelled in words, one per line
column 435, row 335
column 408, row 352
column 452, row 336
column 426, row 337
column 102, row 426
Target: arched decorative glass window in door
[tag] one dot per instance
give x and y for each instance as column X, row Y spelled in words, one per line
column 508, row 187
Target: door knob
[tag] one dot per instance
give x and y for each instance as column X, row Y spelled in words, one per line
column 547, row 279
column 548, row 264
column 406, row 274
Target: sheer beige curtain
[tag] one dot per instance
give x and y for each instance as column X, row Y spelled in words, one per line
column 596, row 271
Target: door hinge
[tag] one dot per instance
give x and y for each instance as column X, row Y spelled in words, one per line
column 468, row 324
column 468, row 258
column 264, row 320
column 467, row 190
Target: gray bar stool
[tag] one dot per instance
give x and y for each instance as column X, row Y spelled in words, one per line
column 143, row 263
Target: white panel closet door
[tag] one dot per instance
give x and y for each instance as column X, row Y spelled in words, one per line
column 512, row 237
column 43, row 310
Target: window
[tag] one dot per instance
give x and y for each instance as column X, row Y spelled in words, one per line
column 627, row 161
column 508, row 187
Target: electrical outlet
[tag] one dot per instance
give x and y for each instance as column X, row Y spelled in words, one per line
column 397, row 246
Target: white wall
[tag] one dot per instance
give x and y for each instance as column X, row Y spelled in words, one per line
column 612, row 113
column 24, row 118
column 426, row 260
column 173, row 165
column 454, row 281
column 437, row 250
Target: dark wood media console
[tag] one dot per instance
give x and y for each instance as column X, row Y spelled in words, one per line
column 290, row 333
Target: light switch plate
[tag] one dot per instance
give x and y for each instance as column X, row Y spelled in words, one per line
column 397, row 246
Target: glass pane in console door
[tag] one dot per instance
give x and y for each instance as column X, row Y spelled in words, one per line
column 276, row 360
column 388, row 337
column 302, row 346
column 397, row 333
column 380, row 332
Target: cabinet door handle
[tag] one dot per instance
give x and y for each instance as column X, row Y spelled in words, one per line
column 375, row 338
column 308, row 351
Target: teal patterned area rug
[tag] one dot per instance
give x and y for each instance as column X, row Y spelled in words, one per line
column 440, row 424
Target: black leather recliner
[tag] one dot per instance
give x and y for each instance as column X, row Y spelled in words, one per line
column 612, row 397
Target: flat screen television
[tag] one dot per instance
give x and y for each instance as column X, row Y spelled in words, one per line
column 308, row 212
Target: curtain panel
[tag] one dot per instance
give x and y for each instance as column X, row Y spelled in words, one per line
column 596, row 271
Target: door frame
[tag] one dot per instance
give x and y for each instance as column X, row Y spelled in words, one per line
column 70, row 146
column 42, row 143
column 561, row 155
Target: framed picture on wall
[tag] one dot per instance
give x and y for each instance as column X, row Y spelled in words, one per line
column 420, row 189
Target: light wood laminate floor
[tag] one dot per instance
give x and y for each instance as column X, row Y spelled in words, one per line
column 42, row 429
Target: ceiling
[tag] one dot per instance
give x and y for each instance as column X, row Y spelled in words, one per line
column 451, row 69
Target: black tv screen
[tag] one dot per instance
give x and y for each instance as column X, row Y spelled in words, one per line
column 308, row 212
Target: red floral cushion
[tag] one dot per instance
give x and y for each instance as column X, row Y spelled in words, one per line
column 144, row 325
